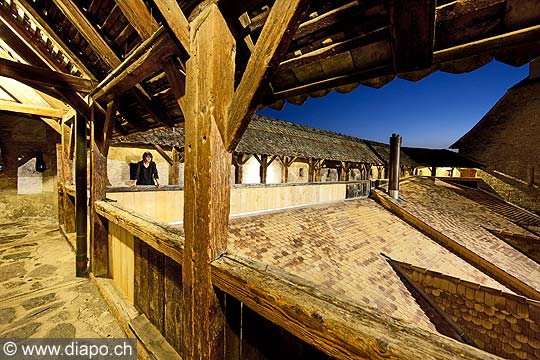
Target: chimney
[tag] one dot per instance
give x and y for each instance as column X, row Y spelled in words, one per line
column 393, row 179
column 534, row 69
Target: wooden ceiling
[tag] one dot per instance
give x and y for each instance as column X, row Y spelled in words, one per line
column 121, row 49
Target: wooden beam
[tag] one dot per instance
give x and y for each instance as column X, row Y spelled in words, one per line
column 110, row 119
column 210, row 79
column 274, row 40
column 139, row 17
column 488, row 45
column 338, row 328
column 47, row 29
column 43, row 77
column 413, row 31
column 163, row 153
column 155, row 109
column 88, row 31
column 176, row 20
column 143, row 62
column 176, row 79
column 12, row 106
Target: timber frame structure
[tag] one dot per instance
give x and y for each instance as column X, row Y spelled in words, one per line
column 131, row 65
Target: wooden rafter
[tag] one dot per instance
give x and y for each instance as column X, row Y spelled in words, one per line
column 31, row 109
column 139, row 17
column 143, row 62
column 275, row 37
column 43, row 77
column 89, row 32
column 41, row 22
column 413, row 32
column 151, row 106
column 164, row 154
column 176, row 20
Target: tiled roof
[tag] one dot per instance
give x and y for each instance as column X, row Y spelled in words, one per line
column 467, row 223
column 439, row 157
column 498, row 322
column 506, row 138
column 337, row 247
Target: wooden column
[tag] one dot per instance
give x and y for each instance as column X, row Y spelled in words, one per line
column 239, row 159
column 100, row 141
column 59, row 183
column 433, row 171
column 311, row 169
column 286, row 162
column 264, row 164
column 317, row 167
column 174, row 168
column 67, row 176
column 210, row 80
column 81, row 258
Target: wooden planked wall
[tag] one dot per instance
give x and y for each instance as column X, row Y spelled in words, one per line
column 168, row 206
column 121, row 260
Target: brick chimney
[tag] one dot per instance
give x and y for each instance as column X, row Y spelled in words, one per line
column 534, row 68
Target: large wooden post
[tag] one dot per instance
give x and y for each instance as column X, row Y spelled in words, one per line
column 174, row 168
column 67, row 176
column 210, row 80
column 100, row 139
column 81, row 258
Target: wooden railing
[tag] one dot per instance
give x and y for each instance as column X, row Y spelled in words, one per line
column 167, row 203
column 283, row 317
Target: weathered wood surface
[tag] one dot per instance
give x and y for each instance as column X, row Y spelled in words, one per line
column 99, row 243
column 143, row 62
column 81, row 196
column 152, row 340
column 32, row 110
column 275, row 38
column 339, row 329
column 165, row 239
column 496, row 273
column 139, row 17
column 173, row 304
column 43, row 76
column 413, row 32
column 140, row 281
column 176, row 20
column 122, row 260
column 210, row 78
column 156, row 288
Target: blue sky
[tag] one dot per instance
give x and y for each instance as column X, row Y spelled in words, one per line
column 433, row 112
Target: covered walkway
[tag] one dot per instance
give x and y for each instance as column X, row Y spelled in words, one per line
column 39, row 293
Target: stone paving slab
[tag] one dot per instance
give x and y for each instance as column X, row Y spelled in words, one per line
column 39, row 293
column 338, row 247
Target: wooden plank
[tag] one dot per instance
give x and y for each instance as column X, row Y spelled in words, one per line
column 152, row 340
column 35, row 16
column 176, row 20
column 81, row 197
column 341, row 330
column 142, row 62
column 88, row 31
column 156, row 289
column 488, row 45
column 32, row 110
column 43, row 77
column 413, row 31
column 274, row 40
column 166, row 239
column 173, row 304
column 210, row 78
column 139, row 17
column 142, row 295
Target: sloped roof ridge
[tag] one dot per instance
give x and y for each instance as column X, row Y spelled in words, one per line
column 305, row 129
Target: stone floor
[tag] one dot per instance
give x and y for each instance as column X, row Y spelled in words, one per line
column 39, row 293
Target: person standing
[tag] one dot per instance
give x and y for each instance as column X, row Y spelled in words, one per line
column 146, row 173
